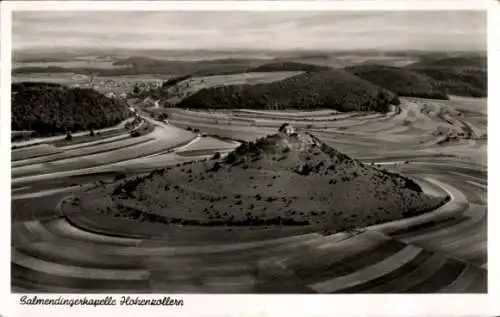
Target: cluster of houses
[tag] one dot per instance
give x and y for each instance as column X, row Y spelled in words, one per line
column 118, row 88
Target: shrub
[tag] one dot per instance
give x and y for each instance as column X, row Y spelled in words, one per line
column 119, row 176
column 215, row 167
column 304, row 169
column 216, row 156
column 231, row 158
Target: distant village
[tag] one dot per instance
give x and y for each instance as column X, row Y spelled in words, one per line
column 119, row 88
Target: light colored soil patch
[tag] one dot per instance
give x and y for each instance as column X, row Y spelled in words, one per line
column 289, row 113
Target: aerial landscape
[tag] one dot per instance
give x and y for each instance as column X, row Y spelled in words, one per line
column 249, row 152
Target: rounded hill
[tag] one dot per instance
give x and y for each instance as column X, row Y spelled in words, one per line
column 286, row 178
column 459, row 81
column 50, row 109
column 401, row 81
column 330, row 89
column 465, row 75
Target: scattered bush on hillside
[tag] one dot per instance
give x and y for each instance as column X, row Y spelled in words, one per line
column 216, row 156
column 128, row 187
column 163, row 116
column 68, row 137
column 217, row 166
column 230, row 158
column 136, row 90
column 119, row 176
column 304, row 169
column 131, row 124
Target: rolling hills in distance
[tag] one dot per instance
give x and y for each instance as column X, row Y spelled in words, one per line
column 360, row 87
column 394, row 196
column 428, row 73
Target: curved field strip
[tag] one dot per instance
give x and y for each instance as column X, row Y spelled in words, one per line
column 34, row 151
column 37, row 141
column 156, row 142
column 328, row 117
column 125, row 152
column 115, row 138
column 59, row 248
column 344, row 263
column 289, row 114
column 83, row 152
column 362, row 259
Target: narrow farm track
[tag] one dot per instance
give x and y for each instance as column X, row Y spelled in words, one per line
column 59, row 248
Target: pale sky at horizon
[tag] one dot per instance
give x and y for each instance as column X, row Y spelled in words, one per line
column 384, row 30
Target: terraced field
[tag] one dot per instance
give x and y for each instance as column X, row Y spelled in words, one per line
column 58, row 247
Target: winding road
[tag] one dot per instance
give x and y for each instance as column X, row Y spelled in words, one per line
column 58, row 248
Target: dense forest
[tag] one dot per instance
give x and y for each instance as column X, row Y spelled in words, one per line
column 461, row 75
column 460, row 82
column 289, row 66
column 403, row 82
column 50, row 109
column 331, row 89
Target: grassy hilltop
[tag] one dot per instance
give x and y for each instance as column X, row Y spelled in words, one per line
column 286, row 178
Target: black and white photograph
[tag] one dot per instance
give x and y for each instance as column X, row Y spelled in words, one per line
column 249, row 152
